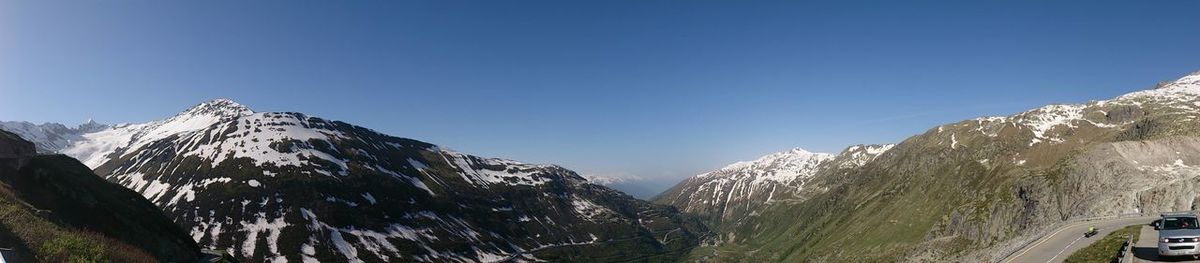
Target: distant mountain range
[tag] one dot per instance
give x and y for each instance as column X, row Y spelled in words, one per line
column 282, row 187
column 51, row 137
column 641, row 187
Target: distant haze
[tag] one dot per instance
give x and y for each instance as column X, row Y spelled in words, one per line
column 653, row 90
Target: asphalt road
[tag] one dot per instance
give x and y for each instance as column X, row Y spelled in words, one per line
column 1056, row 246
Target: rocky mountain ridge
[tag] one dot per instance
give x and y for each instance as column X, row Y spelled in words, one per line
column 281, row 187
column 49, row 138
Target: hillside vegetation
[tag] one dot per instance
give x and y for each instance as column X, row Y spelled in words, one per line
column 974, row 190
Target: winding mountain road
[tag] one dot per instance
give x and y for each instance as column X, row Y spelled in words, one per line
column 1059, row 244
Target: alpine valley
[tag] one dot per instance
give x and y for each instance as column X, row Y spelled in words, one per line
column 288, row 187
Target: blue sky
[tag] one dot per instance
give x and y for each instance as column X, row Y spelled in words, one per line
column 657, row 89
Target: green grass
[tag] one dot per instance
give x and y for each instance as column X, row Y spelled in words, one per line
column 1107, row 248
column 226, row 258
column 45, row 233
column 52, row 243
column 71, row 247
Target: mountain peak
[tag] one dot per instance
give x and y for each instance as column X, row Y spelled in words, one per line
column 772, row 161
column 794, row 153
column 1180, row 89
column 1191, row 78
column 799, row 150
column 1189, row 81
column 221, row 107
column 90, row 126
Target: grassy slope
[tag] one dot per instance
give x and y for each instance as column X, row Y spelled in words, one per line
column 1106, row 249
column 35, row 237
column 55, row 210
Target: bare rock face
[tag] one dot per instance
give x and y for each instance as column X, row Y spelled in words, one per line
column 1140, row 176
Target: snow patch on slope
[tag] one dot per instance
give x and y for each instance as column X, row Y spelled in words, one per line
column 1043, row 121
column 761, row 177
column 588, row 210
column 352, row 241
column 488, row 171
column 859, row 155
column 272, row 138
column 780, row 167
column 261, row 224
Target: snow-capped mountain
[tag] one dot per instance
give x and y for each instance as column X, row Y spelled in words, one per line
column 51, row 137
column 611, row 179
column 743, row 188
column 280, row 187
